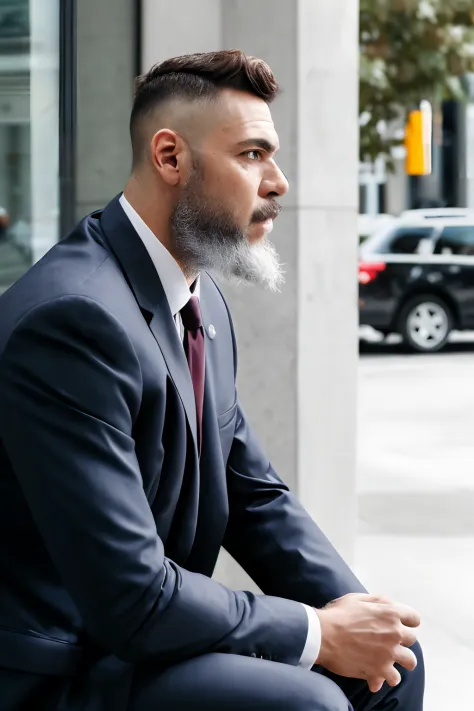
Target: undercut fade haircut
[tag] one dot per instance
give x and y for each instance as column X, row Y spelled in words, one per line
column 196, row 77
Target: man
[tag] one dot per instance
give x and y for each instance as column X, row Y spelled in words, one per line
column 127, row 460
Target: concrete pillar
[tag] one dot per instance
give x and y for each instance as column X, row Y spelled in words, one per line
column 106, row 47
column 298, row 349
column 397, row 184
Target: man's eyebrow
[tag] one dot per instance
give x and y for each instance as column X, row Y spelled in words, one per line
column 262, row 143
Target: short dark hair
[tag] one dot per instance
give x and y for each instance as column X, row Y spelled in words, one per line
column 198, row 76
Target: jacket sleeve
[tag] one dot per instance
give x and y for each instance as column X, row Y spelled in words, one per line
column 272, row 536
column 70, row 392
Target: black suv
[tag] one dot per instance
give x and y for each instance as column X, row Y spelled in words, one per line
column 416, row 278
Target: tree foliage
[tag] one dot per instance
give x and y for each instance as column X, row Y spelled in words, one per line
column 410, row 50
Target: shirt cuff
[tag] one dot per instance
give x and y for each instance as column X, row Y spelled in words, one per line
column 313, row 640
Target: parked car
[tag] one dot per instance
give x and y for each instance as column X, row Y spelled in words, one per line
column 416, row 277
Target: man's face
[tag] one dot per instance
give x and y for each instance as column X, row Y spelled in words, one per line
column 226, row 209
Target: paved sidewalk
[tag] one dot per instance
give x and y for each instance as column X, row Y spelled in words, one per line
column 436, row 576
column 416, row 504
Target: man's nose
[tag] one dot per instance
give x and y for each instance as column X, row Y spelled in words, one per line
column 274, row 183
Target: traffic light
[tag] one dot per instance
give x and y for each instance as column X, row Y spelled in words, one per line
column 418, row 140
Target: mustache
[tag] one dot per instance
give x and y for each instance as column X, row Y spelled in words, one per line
column 269, row 211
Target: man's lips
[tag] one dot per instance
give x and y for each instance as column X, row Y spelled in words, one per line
column 265, row 218
column 265, row 225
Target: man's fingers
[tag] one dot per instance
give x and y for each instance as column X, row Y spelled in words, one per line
column 392, row 676
column 405, row 658
column 408, row 616
column 366, row 597
column 409, row 637
column 360, row 597
column 375, row 684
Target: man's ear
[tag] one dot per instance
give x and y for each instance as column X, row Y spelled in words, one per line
column 167, row 149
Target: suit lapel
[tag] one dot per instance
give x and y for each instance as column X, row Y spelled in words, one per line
column 163, row 327
column 148, row 290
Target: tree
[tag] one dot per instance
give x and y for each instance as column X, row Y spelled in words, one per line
column 409, row 50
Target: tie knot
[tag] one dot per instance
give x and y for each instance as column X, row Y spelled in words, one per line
column 191, row 315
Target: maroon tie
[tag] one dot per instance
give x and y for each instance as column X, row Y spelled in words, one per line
column 195, row 353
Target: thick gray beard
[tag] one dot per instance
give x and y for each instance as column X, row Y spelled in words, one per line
column 207, row 240
column 256, row 263
column 241, row 262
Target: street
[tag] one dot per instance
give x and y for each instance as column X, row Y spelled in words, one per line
column 416, row 501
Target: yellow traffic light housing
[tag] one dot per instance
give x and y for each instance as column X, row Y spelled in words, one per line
column 418, row 140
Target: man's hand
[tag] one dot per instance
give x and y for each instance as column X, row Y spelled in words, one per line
column 363, row 636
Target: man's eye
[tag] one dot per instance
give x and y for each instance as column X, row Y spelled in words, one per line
column 254, row 155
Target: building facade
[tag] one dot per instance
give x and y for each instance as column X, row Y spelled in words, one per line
column 29, row 133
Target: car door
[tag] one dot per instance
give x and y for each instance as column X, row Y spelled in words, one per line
column 399, row 254
column 454, row 253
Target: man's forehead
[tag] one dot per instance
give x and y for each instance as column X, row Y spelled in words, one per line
column 240, row 116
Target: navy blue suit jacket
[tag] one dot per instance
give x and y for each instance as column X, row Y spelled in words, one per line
column 110, row 525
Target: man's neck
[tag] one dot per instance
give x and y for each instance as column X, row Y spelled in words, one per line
column 153, row 213
column 154, row 217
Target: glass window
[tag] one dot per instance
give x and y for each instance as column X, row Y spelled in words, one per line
column 458, row 239
column 399, row 240
column 29, row 110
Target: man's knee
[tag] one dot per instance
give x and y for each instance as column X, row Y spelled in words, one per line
column 323, row 694
column 416, row 678
column 419, row 656
column 410, row 691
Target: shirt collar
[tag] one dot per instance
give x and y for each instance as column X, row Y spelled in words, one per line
column 172, row 278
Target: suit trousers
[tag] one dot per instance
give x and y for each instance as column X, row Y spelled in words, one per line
column 224, row 682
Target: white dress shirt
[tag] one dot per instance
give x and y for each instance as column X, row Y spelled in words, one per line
column 178, row 294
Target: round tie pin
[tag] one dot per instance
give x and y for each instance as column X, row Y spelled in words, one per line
column 212, row 332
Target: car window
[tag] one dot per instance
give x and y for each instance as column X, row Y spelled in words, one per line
column 398, row 240
column 456, row 239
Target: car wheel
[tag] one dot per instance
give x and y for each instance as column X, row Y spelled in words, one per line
column 425, row 323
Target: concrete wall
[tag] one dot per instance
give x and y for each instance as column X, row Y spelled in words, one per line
column 179, row 27
column 327, row 345
column 106, row 49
